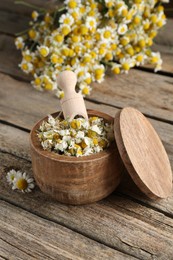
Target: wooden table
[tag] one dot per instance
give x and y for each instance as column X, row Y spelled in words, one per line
column 126, row 225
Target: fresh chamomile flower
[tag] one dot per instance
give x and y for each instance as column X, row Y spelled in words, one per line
column 34, row 15
column 116, row 68
column 43, row 50
column 72, row 4
column 19, row 42
column 84, row 89
column 27, row 67
column 122, row 29
column 11, row 175
column 23, row 182
column 66, row 19
column 91, row 23
column 87, row 35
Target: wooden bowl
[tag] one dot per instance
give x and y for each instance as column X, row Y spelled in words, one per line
column 76, row 180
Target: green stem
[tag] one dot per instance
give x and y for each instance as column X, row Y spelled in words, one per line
column 61, row 9
column 20, row 33
column 20, row 2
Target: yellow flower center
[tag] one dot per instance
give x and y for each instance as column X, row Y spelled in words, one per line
column 67, row 20
column 91, row 23
column 48, row 86
column 136, row 20
column 37, row 81
column 54, row 59
column 58, row 38
column 125, row 66
column 22, row 184
column 32, row 34
column 85, row 91
column 83, row 30
column 72, row 4
column 44, row 51
column 95, row 141
column 141, row 43
column 65, row 30
column 116, row 70
column 124, row 41
column 139, row 58
column 24, row 66
column 88, row 81
column 75, row 38
column 87, row 59
column 107, row 34
column 154, row 59
column 130, row 51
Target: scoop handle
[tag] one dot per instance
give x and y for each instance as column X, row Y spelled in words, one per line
column 73, row 103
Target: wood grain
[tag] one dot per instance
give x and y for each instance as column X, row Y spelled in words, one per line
column 143, row 153
column 11, row 6
column 27, row 236
column 117, row 222
column 140, row 90
column 117, row 93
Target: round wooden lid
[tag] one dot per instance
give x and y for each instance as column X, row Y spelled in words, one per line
column 143, row 153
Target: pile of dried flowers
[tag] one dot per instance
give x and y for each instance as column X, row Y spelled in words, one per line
column 89, row 36
column 79, row 137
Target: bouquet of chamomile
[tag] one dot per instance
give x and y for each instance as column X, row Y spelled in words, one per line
column 88, row 37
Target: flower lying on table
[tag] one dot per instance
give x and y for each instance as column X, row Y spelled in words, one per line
column 20, row 181
column 89, row 36
column 78, row 137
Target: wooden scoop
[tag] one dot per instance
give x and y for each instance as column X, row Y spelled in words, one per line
column 72, row 104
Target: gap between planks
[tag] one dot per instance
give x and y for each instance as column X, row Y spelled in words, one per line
column 20, row 225
column 108, row 221
column 21, row 150
column 160, row 108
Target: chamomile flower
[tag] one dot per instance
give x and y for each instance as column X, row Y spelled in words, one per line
column 91, row 23
column 72, row 4
column 43, row 50
column 19, row 42
column 66, row 19
column 11, row 176
column 122, row 29
column 86, row 35
column 23, row 182
column 84, row 89
column 27, row 67
column 34, row 15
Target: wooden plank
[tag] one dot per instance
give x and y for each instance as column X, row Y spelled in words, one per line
column 27, row 236
column 11, row 6
column 165, row 37
column 10, row 65
column 151, row 95
column 116, row 222
column 9, row 135
column 167, row 57
column 11, row 23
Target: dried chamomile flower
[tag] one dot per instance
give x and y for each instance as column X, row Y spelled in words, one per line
column 78, row 137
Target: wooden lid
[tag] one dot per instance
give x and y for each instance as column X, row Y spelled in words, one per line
column 143, row 153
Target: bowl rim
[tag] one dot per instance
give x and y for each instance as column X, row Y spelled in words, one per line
column 36, row 146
